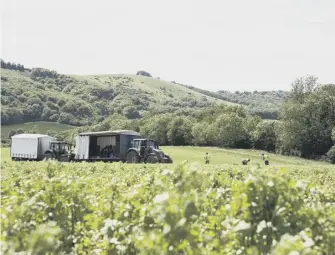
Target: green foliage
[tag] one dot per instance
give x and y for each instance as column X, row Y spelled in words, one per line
column 52, row 208
column 11, row 66
column 264, row 136
column 42, row 94
column 308, row 119
column 223, row 126
column 144, row 73
column 265, row 104
column 130, row 112
column 331, row 155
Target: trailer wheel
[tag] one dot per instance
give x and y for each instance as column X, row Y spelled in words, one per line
column 132, row 157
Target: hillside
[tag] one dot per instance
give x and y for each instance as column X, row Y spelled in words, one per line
column 265, row 104
column 38, row 127
column 44, row 95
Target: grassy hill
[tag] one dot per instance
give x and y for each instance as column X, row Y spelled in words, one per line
column 263, row 103
column 40, row 127
column 44, row 95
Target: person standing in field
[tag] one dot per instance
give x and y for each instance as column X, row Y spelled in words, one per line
column 207, row 158
column 245, row 161
column 266, row 159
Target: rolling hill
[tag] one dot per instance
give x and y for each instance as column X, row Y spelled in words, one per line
column 38, row 126
column 266, row 104
column 44, row 95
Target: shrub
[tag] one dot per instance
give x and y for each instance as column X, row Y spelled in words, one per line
column 331, row 155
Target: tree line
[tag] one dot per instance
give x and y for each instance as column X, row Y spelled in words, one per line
column 306, row 127
column 12, row 66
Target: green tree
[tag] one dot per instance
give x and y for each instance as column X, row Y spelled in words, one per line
column 3, row 64
column 20, row 131
column 11, row 133
column 131, row 112
column 229, row 130
column 179, row 131
column 156, row 128
column 264, row 136
column 199, row 133
column 307, row 119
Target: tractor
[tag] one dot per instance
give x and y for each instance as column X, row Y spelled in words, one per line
column 60, row 151
column 147, row 151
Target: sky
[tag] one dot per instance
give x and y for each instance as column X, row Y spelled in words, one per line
column 212, row 44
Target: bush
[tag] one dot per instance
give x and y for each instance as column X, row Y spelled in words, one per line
column 331, row 155
column 143, row 73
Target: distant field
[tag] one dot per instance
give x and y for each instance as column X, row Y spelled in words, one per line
column 41, row 126
column 227, row 157
column 235, row 156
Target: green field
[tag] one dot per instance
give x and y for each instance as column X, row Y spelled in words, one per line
column 235, row 156
column 229, row 157
column 182, row 208
column 41, row 127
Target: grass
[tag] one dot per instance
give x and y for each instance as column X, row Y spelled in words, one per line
column 161, row 88
column 228, row 157
column 41, row 127
column 234, row 157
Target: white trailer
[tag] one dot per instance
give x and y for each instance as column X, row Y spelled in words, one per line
column 29, row 146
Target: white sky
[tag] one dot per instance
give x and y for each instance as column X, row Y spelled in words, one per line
column 212, row 44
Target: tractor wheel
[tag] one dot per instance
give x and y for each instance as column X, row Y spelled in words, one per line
column 152, row 159
column 132, row 157
column 168, row 160
column 63, row 158
column 47, row 156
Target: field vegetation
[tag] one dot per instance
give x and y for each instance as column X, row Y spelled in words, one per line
column 183, row 208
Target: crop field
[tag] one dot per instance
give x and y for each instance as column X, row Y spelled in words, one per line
column 183, row 208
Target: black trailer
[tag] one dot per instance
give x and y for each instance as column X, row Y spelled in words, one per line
column 104, row 146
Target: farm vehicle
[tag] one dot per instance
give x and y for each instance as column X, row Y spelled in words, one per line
column 37, row 147
column 120, row 145
column 60, row 151
column 107, row 146
column 147, row 151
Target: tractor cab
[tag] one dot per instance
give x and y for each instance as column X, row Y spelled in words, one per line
column 59, row 146
column 141, row 144
column 59, row 150
column 146, row 150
